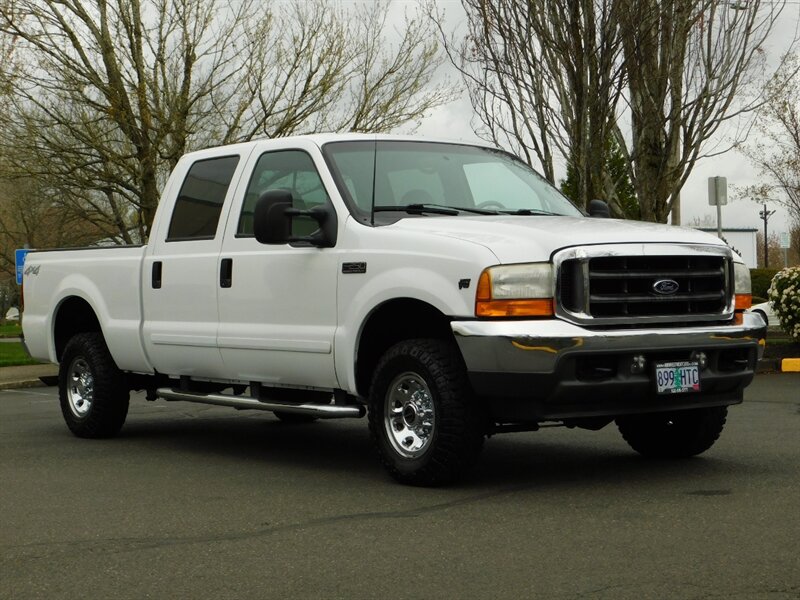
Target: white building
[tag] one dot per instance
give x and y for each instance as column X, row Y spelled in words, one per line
column 742, row 241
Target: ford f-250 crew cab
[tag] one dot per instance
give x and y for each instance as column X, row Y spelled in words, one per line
column 445, row 289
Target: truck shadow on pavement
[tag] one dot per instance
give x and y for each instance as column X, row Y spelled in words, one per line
column 572, row 459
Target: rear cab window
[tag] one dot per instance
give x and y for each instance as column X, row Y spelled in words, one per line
column 198, row 207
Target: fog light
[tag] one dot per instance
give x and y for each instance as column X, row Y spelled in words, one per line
column 701, row 358
column 638, row 364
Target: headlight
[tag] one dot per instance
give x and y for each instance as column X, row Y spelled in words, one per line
column 741, row 286
column 515, row 291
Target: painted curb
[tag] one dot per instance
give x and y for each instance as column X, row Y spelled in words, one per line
column 790, row 365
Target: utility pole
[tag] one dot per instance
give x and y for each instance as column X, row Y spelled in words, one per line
column 765, row 215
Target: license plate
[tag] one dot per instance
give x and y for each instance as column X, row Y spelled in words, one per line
column 677, row 377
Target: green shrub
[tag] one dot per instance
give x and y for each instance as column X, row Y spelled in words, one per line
column 784, row 295
column 760, row 279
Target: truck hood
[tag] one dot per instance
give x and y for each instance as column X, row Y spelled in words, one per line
column 515, row 239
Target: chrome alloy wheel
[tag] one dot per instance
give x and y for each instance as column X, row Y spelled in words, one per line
column 80, row 387
column 410, row 415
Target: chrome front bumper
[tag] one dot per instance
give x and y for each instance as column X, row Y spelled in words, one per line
column 552, row 369
column 537, row 346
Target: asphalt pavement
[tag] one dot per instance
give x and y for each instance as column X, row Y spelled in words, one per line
column 193, row 501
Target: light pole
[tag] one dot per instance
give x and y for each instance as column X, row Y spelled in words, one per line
column 765, row 215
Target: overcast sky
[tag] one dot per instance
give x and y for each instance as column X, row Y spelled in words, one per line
column 454, row 122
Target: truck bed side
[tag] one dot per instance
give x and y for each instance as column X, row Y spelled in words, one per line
column 61, row 286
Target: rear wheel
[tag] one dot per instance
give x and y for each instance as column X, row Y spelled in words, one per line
column 423, row 419
column 92, row 391
column 677, row 434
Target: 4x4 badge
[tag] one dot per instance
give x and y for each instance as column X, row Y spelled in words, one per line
column 665, row 287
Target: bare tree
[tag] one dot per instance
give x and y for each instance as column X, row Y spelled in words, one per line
column 549, row 75
column 691, row 66
column 117, row 90
column 544, row 79
column 7, row 55
column 775, row 253
column 775, row 151
column 31, row 218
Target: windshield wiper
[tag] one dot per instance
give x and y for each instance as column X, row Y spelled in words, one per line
column 529, row 211
column 438, row 209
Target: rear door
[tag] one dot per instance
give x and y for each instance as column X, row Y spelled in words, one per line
column 181, row 273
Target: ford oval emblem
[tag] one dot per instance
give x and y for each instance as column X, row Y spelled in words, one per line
column 665, row 287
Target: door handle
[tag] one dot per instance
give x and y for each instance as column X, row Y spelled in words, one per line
column 226, row 273
column 156, row 275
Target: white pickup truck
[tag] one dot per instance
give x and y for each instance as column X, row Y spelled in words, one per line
column 445, row 289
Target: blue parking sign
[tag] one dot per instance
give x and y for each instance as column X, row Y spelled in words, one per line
column 19, row 261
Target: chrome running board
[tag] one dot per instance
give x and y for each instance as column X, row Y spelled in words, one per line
column 322, row 411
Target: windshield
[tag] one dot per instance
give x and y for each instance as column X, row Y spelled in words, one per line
column 438, row 179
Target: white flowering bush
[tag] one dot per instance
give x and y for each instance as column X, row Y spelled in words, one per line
column 784, row 296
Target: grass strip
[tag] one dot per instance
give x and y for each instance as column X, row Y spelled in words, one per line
column 13, row 354
column 10, row 330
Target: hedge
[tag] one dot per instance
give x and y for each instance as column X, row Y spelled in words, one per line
column 784, row 295
column 760, row 279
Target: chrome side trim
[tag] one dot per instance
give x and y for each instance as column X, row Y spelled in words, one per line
column 326, row 411
column 584, row 253
column 281, row 345
column 197, row 341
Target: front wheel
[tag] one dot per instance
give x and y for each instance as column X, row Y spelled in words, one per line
column 423, row 419
column 92, row 391
column 677, row 434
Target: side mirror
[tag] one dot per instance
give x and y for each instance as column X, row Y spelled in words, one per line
column 272, row 221
column 599, row 209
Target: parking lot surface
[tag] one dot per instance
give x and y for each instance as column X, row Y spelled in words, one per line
column 193, row 501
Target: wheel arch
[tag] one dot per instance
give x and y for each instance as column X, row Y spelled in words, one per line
column 72, row 316
column 389, row 323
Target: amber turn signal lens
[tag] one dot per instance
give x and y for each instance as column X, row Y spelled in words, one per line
column 484, row 291
column 743, row 301
column 514, row 308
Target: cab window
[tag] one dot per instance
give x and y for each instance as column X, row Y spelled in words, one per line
column 199, row 204
column 291, row 170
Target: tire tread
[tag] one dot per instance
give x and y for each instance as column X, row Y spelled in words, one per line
column 459, row 439
column 679, row 434
column 111, row 397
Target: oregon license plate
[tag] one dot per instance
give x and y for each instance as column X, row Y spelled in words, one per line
column 677, row 377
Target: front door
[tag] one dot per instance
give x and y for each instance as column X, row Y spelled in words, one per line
column 277, row 318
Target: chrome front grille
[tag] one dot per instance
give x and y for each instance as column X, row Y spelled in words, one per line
column 685, row 283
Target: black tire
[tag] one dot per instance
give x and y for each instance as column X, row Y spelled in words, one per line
column 678, row 434
column 92, row 391
column 436, row 432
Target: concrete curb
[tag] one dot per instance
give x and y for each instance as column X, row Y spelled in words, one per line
column 27, row 376
column 16, row 385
